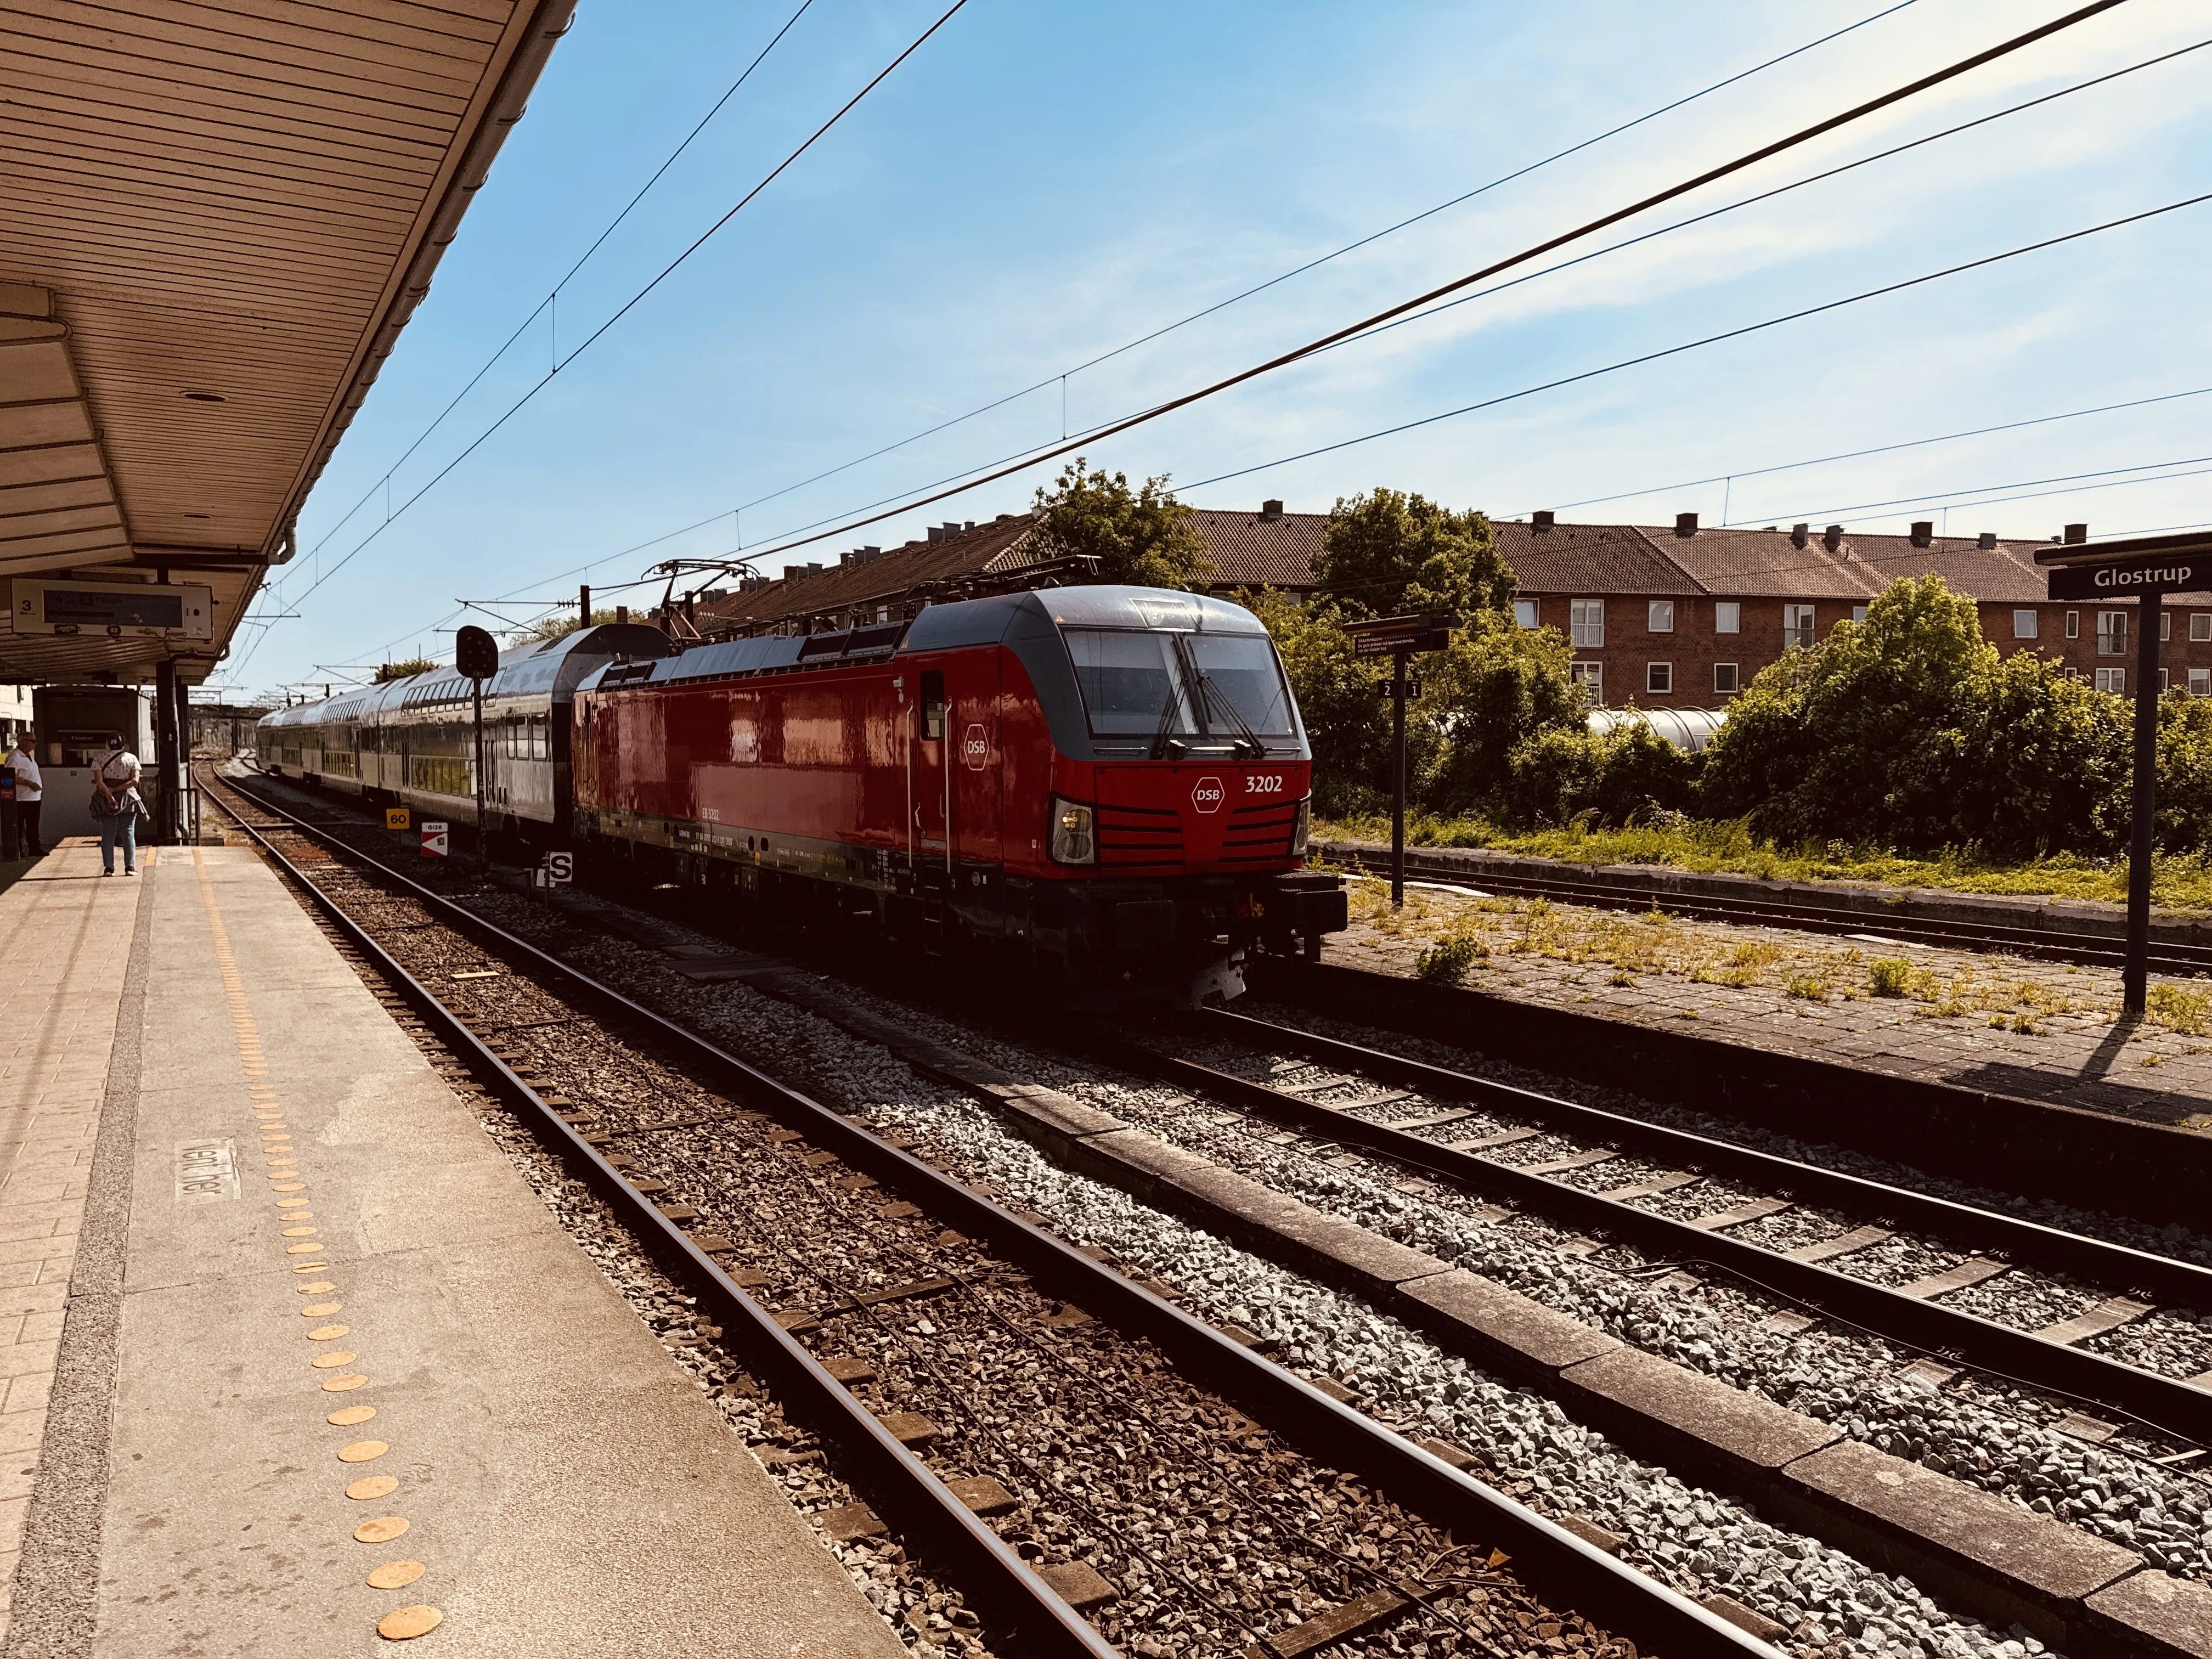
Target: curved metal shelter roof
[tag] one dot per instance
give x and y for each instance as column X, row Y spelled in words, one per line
column 217, row 222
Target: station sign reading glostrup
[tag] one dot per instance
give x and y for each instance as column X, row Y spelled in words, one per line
column 2131, row 578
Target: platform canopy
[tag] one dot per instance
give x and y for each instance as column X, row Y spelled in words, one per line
column 215, row 223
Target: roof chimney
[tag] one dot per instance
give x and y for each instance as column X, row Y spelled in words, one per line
column 1270, row 511
column 1986, row 541
column 1686, row 524
column 1800, row 534
column 1923, row 532
column 1542, row 520
column 2076, row 534
column 1832, row 538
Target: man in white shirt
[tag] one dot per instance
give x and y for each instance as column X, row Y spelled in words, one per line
column 25, row 765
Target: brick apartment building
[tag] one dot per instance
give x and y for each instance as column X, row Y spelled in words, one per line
column 1680, row 619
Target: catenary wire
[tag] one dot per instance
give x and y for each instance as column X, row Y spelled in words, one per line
column 635, row 300
column 1711, row 339
column 1315, row 264
column 1419, row 301
column 584, row 259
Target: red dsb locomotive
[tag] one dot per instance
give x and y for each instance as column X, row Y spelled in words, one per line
column 1112, row 781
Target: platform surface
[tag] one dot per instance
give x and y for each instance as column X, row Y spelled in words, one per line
column 565, row 1489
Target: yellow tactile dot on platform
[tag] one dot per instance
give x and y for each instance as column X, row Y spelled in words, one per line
column 363, row 1451
column 396, row 1575
column 328, row 1333
column 296, row 1215
column 309, row 1266
column 382, row 1530
column 346, row 1417
column 333, row 1360
column 320, row 1310
column 345, row 1384
column 303, row 1249
column 300, row 1232
column 288, row 1187
column 290, row 1203
column 375, row 1487
column 315, row 1289
column 407, row 1622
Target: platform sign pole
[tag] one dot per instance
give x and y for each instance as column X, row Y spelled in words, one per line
column 476, row 653
column 2148, row 567
column 1398, row 638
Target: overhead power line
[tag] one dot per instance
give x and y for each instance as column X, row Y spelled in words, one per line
column 630, row 304
column 1804, row 135
column 582, row 259
column 1086, row 436
column 1956, row 497
column 1878, row 449
column 1712, row 339
column 1165, row 329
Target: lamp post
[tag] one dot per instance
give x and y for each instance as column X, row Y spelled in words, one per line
column 2146, row 568
column 476, row 653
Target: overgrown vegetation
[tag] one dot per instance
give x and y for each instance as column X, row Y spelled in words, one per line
column 1903, row 749
column 400, row 671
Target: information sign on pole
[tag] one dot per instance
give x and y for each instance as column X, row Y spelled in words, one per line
column 1399, row 638
column 2146, row 569
column 395, row 817
column 555, row 870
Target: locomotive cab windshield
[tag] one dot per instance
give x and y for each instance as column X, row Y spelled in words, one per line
column 1182, row 691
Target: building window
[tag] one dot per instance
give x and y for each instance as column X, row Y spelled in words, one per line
column 2165, row 623
column 2023, row 624
column 1858, row 613
column 2073, row 624
column 1586, row 623
column 1796, row 625
column 2200, row 682
column 2111, row 632
column 1590, row 676
column 2200, row 626
column 1724, row 680
column 1524, row 612
column 2114, row 680
column 1662, row 615
column 1727, row 617
column 2165, row 681
column 1659, row 678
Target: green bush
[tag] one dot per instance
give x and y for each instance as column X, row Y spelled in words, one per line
column 1889, row 976
column 1573, row 774
column 1447, row 961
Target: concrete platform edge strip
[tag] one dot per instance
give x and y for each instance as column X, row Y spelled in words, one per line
column 54, row 1609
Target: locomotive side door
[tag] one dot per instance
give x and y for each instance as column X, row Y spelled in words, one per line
column 927, row 775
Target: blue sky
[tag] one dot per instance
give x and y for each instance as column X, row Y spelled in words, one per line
column 1039, row 185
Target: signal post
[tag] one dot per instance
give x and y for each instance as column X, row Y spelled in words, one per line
column 1399, row 638
column 2146, row 568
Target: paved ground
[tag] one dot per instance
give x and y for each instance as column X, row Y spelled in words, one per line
column 330, row 1368
column 2047, row 1031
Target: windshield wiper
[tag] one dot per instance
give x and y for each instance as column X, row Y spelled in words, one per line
column 1161, row 743
column 1248, row 745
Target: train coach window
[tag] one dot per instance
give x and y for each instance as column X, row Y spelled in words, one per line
column 1242, row 669
column 1131, row 683
column 933, row 704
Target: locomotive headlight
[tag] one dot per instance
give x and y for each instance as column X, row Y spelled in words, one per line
column 1302, row 829
column 1073, row 840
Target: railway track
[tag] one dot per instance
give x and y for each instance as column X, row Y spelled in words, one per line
column 1063, row 1438
column 1890, row 923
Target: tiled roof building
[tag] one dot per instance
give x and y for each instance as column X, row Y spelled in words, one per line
column 1665, row 617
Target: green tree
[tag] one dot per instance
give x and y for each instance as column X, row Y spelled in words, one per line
column 1347, row 722
column 1499, row 686
column 1386, row 554
column 400, row 671
column 1615, row 776
column 1140, row 536
column 557, row 625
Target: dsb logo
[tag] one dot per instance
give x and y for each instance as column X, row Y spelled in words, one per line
column 1206, row 795
column 976, row 748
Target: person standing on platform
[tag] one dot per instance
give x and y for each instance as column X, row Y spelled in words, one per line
column 23, row 766
column 117, row 803
column 7, row 812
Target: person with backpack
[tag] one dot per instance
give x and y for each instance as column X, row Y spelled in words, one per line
column 116, row 806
